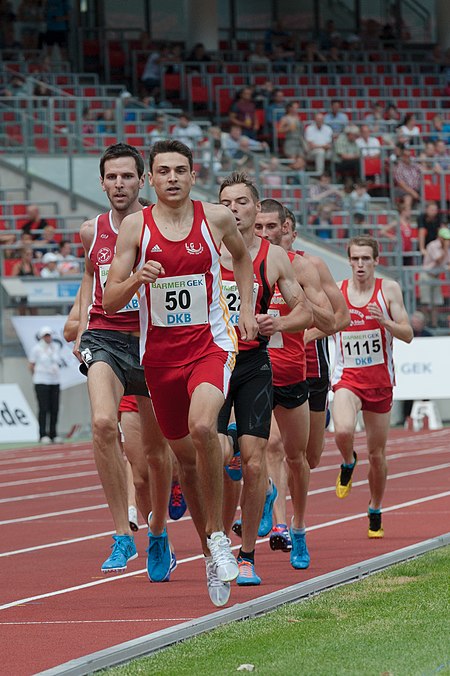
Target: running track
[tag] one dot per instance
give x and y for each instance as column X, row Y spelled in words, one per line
column 55, row 533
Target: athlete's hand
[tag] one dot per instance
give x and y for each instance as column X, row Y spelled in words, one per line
column 150, row 272
column 376, row 313
column 248, row 327
column 267, row 324
column 76, row 348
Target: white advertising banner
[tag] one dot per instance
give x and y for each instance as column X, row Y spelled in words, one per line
column 17, row 420
column 422, row 368
column 27, row 329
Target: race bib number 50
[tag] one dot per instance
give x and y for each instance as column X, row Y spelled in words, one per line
column 362, row 348
column 179, row 301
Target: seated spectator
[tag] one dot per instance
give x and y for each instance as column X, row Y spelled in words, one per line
column 436, row 261
column 107, row 122
column 291, row 127
column 159, row 131
column 198, row 54
column 407, row 178
column 25, row 266
column 67, row 262
column 213, row 154
column 271, row 175
column 347, row 152
column 89, row 117
column 368, row 144
column 231, row 142
column 275, row 108
column 259, row 57
column 47, row 242
column 409, row 130
column 50, row 266
column 336, row 119
column 392, row 121
column 428, row 223
column 360, row 199
column 243, row 113
column 439, row 129
column 319, row 140
column 408, row 233
column 323, row 221
column 34, row 222
column 329, row 36
column 152, row 73
column 375, row 119
column 312, row 54
column 187, row 131
column 296, row 166
column 442, row 155
column 428, row 158
column 323, row 191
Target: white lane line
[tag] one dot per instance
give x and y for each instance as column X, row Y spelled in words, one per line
column 43, row 468
column 17, row 455
column 48, row 515
column 40, row 480
column 317, row 491
column 53, row 494
column 393, row 456
column 106, row 580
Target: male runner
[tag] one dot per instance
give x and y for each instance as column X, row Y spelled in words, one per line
column 108, row 347
column 363, row 376
column 188, row 344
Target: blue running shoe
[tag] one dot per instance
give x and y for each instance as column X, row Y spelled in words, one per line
column 123, row 550
column 237, row 528
column 177, row 503
column 299, row 554
column 247, row 576
column 159, row 559
column 280, row 538
column 265, row 525
column 234, row 468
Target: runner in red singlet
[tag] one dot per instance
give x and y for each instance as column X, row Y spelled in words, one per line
column 363, row 374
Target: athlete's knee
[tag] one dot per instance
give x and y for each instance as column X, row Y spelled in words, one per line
column 202, row 433
column 253, row 466
column 377, row 459
column 297, row 463
column 343, row 435
column 104, row 427
column 313, row 458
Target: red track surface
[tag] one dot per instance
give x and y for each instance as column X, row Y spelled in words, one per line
column 62, row 607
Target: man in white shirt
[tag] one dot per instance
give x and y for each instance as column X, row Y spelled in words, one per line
column 319, row 139
column 369, row 145
column 187, row 132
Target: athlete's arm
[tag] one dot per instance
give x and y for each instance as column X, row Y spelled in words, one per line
column 86, row 286
column 122, row 282
column 242, row 267
column 399, row 325
column 73, row 320
column 309, row 279
column 337, row 300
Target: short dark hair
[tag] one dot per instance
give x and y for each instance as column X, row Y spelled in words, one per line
column 236, row 178
column 269, row 206
column 288, row 214
column 122, row 150
column 170, row 145
column 364, row 240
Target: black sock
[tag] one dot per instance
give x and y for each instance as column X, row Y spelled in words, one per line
column 248, row 556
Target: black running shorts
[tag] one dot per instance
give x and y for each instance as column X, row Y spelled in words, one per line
column 290, row 396
column 318, row 393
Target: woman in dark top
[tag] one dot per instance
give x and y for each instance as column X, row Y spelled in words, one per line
column 428, row 223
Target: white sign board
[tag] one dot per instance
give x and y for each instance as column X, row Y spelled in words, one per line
column 17, row 420
column 422, row 368
column 27, row 329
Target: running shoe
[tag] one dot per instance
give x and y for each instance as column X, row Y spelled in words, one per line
column 234, row 468
column 173, row 563
column 222, row 556
column 247, row 576
column 280, row 538
column 265, row 525
column 45, row 440
column 123, row 550
column 300, row 558
column 219, row 592
column 159, row 559
column 344, row 480
column 237, row 528
column 133, row 518
column 375, row 528
column 177, row 503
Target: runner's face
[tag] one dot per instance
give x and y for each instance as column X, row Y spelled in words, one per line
column 238, row 199
column 268, row 226
column 362, row 262
column 171, row 177
column 121, row 182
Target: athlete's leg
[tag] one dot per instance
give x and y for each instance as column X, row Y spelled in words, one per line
column 254, row 487
column 294, row 429
column 231, row 495
column 105, row 391
column 132, row 444
column 314, row 449
column 346, row 406
column 157, row 454
column 377, row 430
column 277, row 470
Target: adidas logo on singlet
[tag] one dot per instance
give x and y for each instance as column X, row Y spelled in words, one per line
column 156, row 249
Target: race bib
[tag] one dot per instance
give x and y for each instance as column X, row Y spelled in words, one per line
column 277, row 339
column 233, row 300
column 179, row 301
column 132, row 304
column 362, row 348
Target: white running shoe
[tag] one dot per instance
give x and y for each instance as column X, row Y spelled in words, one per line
column 46, row 440
column 227, row 568
column 133, row 518
column 219, row 592
column 58, row 440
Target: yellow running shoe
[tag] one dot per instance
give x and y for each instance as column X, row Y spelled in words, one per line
column 344, row 480
column 375, row 527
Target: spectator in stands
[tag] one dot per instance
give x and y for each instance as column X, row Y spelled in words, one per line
column 67, row 262
column 8, row 239
column 436, row 262
column 34, row 222
column 44, row 363
column 323, row 191
column 57, row 15
column 152, row 73
column 243, row 113
column 375, row 119
column 50, row 266
column 18, row 86
column 198, row 54
column 259, row 56
column 408, row 130
column 429, row 222
column 442, row 155
column 312, row 53
column 25, row 266
column 347, row 152
column 336, row 119
column 47, row 242
column 159, row 131
column 428, row 158
column 329, row 36
column 187, row 131
column 107, row 121
column 319, row 140
column 323, row 221
column 291, row 127
column 275, row 108
column 294, row 167
column 213, row 154
column 407, row 178
column 438, row 130
column 392, row 117
column 368, row 144
column 232, row 142
column 271, row 175
column 89, row 116
column 360, row 199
